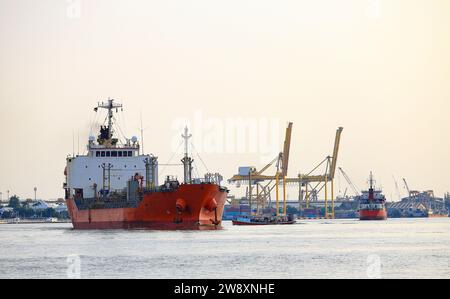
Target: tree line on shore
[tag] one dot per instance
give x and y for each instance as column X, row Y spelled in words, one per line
column 18, row 209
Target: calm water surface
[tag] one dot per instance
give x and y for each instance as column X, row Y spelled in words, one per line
column 397, row 248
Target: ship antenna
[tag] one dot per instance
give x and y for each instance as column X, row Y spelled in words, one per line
column 73, row 143
column 142, row 136
column 110, row 105
column 186, row 136
column 371, row 180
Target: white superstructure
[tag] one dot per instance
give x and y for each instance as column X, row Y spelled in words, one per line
column 108, row 165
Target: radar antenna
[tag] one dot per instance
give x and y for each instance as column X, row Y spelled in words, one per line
column 110, row 106
column 106, row 133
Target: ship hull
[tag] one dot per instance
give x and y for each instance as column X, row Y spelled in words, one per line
column 201, row 209
column 372, row 215
column 235, row 222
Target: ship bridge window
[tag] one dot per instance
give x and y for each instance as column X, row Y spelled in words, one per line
column 103, row 153
column 97, row 154
column 108, row 154
column 119, row 153
column 125, row 154
column 113, row 154
column 130, row 154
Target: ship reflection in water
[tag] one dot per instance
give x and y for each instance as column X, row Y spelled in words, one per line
column 406, row 248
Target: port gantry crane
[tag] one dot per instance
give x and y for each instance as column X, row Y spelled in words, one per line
column 317, row 183
column 253, row 177
column 412, row 194
column 266, row 183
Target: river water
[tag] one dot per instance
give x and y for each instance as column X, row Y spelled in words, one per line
column 397, row 248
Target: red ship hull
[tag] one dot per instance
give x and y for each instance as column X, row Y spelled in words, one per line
column 372, row 215
column 190, row 207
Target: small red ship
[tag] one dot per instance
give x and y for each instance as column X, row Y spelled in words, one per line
column 113, row 186
column 372, row 203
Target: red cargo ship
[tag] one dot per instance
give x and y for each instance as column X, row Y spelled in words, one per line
column 129, row 196
column 372, row 203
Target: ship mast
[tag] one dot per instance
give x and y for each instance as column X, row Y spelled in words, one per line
column 187, row 161
column 371, row 180
column 110, row 105
column 371, row 190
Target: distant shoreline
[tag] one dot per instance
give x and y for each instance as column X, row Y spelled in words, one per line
column 33, row 221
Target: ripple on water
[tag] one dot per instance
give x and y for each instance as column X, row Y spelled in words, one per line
column 407, row 248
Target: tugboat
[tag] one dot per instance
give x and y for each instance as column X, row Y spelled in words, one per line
column 114, row 186
column 372, row 203
column 264, row 220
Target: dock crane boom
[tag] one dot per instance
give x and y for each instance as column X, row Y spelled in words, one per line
column 255, row 177
column 350, row 183
column 286, row 150
column 331, row 164
column 258, row 173
column 323, row 179
column 282, row 162
column 397, row 188
column 337, row 142
column 407, row 187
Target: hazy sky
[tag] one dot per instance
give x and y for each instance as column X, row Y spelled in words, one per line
column 379, row 68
